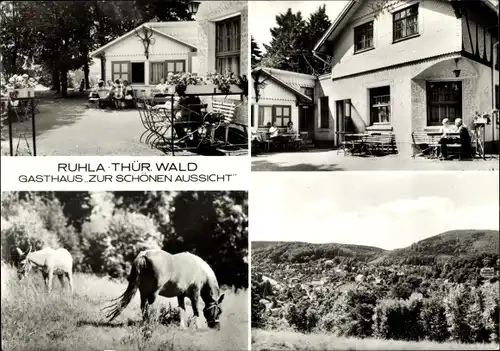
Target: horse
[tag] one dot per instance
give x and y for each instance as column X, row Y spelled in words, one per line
column 156, row 272
column 50, row 262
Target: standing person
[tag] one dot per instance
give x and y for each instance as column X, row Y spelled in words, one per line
column 82, row 85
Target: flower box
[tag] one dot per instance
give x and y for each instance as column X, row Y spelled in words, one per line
column 209, row 89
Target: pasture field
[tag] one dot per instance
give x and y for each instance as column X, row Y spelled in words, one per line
column 34, row 320
column 289, row 340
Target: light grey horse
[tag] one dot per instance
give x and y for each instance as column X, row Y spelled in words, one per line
column 50, row 262
column 156, row 272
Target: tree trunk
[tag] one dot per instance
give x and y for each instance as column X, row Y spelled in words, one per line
column 56, row 82
column 64, row 82
column 86, row 70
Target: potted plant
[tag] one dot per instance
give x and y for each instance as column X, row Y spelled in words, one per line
column 224, row 82
column 180, row 82
column 481, row 119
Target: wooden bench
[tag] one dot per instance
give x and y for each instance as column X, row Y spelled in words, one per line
column 226, row 109
column 424, row 144
column 380, row 142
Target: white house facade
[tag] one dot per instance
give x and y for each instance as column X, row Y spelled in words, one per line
column 404, row 66
column 216, row 42
column 283, row 97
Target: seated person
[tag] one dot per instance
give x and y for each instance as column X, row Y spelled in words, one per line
column 445, row 129
column 128, row 93
column 465, row 140
column 161, row 87
column 94, row 93
column 118, row 95
column 290, row 129
column 274, row 135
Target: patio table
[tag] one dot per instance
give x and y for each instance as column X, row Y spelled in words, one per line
column 356, row 141
column 10, row 107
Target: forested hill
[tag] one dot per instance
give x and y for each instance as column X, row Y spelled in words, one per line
column 448, row 245
column 445, row 245
column 299, row 252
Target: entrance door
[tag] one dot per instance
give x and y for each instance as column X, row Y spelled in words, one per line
column 306, row 120
column 344, row 122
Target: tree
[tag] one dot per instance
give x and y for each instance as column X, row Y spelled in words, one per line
column 285, row 50
column 256, row 52
column 293, row 41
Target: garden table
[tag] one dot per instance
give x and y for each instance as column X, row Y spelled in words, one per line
column 10, row 108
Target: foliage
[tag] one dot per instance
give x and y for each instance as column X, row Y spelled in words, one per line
column 405, row 297
column 256, row 53
column 293, row 40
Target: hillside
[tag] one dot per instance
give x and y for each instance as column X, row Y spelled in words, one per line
column 445, row 245
column 302, row 252
column 362, row 292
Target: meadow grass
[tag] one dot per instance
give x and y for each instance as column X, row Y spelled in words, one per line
column 289, row 340
column 35, row 320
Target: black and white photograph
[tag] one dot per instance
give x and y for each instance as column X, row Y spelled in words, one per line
column 143, row 270
column 375, row 85
column 124, row 78
column 399, row 262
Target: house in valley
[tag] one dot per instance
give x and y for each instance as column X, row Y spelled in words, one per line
column 216, row 41
column 404, row 66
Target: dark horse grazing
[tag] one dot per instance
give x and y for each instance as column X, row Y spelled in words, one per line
column 156, row 272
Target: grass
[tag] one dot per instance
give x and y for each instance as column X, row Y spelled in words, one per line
column 35, row 320
column 289, row 340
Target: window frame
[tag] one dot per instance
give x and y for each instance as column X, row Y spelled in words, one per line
column 372, row 104
column 305, row 89
column 221, row 34
column 360, row 30
column 260, row 116
column 404, row 21
column 283, row 117
column 430, row 104
column 324, row 113
column 128, row 73
column 164, row 64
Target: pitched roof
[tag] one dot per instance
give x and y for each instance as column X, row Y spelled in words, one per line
column 351, row 7
column 288, row 84
column 183, row 32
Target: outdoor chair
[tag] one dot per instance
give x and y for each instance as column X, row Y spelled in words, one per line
column 154, row 122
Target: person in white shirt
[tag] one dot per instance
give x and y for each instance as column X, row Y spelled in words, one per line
column 446, row 129
column 273, row 131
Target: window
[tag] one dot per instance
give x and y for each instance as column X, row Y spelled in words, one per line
column 281, row 115
column 405, row 23
column 497, row 97
column 444, row 100
column 324, row 113
column 265, row 116
column 160, row 70
column 120, row 71
column 138, row 73
column 363, row 37
column 308, row 91
column 380, row 105
column 227, row 45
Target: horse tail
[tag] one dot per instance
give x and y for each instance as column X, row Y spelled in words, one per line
column 133, row 284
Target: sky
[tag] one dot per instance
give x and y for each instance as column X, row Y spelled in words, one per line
column 383, row 209
column 263, row 14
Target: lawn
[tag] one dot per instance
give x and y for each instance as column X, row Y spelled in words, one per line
column 287, row 340
column 33, row 320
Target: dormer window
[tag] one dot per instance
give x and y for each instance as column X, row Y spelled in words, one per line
column 405, row 23
column 363, row 37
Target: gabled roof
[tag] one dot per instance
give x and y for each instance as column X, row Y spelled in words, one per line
column 165, row 29
column 351, row 7
column 289, row 86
